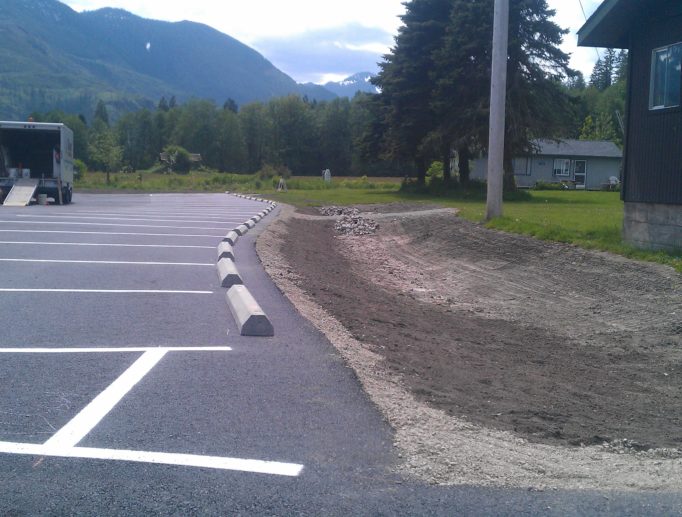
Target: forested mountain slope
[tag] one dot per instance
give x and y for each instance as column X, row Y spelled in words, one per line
column 53, row 57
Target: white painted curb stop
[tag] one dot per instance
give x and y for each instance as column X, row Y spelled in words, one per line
column 228, row 274
column 250, row 318
column 249, row 224
column 241, row 230
column 225, row 251
column 231, row 238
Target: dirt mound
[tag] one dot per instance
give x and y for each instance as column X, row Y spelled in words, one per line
column 555, row 344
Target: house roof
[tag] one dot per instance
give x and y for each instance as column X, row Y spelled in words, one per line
column 581, row 148
column 610, row 24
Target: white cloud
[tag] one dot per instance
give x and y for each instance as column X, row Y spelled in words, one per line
column 255, row 21
column 569, row 15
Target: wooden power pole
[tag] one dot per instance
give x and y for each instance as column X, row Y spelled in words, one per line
column 498, row 99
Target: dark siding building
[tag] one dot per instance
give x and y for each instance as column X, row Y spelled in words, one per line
column 652, row 179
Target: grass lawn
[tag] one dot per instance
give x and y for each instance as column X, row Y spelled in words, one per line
column 587, row 219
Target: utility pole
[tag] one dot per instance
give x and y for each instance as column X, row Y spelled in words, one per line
column 498, row 99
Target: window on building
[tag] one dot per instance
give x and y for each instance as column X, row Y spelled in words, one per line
column 666, row 77
column 522, row 166
column 562, row 167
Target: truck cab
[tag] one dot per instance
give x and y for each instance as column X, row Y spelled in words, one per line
column 37, row 154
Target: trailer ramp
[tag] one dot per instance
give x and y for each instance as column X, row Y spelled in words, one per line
column 22, row 192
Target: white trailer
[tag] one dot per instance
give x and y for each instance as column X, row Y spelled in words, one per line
column 35, row 158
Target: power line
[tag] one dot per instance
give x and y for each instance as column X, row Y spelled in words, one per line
column 582, row 8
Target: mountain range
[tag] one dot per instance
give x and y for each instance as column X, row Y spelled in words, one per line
column 52, row 57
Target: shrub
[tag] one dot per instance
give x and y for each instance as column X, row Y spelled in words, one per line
column 544, row 185
column 79, row 169
column 435, row 171
column 179, row 159
column 269, row 171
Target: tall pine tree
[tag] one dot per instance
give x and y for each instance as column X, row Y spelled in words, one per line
column 405, row 83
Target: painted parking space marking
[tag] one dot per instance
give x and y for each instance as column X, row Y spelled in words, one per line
column 171, row 213
column 64, row 443
column 112, row 233
column 165, row 220
column 85, row 421
column 105, row 350
column 105, row 262
column 43, row 243
column 112, row 224
column 102, row 291
column 160, row 458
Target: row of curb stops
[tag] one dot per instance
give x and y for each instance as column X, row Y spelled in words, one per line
column 250, row 318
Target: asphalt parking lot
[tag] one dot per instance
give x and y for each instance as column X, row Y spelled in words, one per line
column 127, row 389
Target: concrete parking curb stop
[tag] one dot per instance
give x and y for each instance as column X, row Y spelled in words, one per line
column 241, row 230
column 225, row 251
column 227, row 272
column 231, row 238
column 248, row 315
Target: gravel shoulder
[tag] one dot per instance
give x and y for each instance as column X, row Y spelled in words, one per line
column 498, row 359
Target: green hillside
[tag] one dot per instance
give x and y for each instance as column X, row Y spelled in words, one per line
column 52, row 57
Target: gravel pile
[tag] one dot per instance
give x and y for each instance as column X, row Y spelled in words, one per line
column 339, row 210
column 356, row 225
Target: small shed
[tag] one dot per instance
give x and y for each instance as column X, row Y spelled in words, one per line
column 580, row 164
column 652, row 171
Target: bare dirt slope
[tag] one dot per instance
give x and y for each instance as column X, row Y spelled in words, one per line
column 499, row 359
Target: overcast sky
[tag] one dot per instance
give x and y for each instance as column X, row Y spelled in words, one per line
column 318, row 40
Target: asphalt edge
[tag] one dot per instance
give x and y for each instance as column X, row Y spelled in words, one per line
column 250, row 318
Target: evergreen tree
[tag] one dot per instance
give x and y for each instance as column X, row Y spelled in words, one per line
column 163, row 104
column 101, row 113
column 404, row 81
column 537, row 103
column 621, row 66
column 231, row 105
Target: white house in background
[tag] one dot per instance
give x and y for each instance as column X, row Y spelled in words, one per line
column 585, row 164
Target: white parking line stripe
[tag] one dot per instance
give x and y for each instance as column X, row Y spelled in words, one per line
column 113, row 350
column 175, row 215
column 197, row 213
column 112, row 224
column 106, row 262
column 128, row 219
column 104, row 244
column 112, row 233
column 100, row 291
column 85, row 421
column 159, row 458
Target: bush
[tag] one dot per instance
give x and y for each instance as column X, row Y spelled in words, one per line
column 179, row 159
column 543, row 185
column 269, row 171
column 79, row 169
column 435, row 171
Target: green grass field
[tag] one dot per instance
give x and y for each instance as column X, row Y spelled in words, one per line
column 588, row 219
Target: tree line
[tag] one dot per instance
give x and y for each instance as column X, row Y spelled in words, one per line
column 433, row 105
column 435, row 87
column 291, row 133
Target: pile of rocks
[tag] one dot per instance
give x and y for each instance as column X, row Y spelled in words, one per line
column 334, row 211
column 350, row 221
column 356, row 225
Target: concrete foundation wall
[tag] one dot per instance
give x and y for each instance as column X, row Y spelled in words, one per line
column 653, row 226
